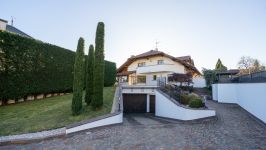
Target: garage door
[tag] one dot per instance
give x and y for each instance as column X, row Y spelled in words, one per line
column 134, row 103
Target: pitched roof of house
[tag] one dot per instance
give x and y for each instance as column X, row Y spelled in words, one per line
column 3, row 20
column 156, row 53
column 13, row 29
column 148, row 53
column 184, row 58
column 187, row 59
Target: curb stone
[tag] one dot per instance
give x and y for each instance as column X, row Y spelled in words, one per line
column 32, row 136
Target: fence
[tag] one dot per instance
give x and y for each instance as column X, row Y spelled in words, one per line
column 257, row 77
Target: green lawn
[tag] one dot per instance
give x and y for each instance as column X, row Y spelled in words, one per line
column 47, row 114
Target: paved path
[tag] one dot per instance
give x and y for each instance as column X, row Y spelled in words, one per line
column 232, row 129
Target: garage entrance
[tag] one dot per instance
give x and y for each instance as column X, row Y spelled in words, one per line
column 134, row 103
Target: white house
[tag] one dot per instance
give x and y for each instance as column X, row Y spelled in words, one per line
column 138, row 78
column 148, row 67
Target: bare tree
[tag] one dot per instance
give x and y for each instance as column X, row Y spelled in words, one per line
column 245, row 62
column 249, row 65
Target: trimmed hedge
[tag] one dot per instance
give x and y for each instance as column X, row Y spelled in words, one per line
column 31, row 67
column 109, row 73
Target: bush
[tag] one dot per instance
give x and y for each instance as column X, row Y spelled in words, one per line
column 210, row 77
column 109, row 73
column 196, row 103
column 187, row 88
column 186, row 98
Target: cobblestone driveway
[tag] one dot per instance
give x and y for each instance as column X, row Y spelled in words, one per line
column 232, row 129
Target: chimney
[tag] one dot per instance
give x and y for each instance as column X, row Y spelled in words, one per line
column 3, row 24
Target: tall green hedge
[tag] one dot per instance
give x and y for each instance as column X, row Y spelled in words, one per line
column 109, row 73
column 29, row 66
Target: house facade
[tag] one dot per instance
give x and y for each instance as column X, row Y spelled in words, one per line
column 138, row 82
column 149, row 67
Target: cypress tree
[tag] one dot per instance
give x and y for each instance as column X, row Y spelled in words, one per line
column 98, row 80
column 219, row 66
column 89, row 75
column 78, row 78
column 218, row 63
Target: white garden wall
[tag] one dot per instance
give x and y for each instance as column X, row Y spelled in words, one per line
column 215, row 94
column 226, row 94
column 98, row 123
column 250, row 96
column 167, row 108
column 199, row 82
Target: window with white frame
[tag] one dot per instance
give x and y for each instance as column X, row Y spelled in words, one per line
column 142, row 64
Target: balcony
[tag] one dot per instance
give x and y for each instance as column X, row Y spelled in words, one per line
column 138, row 89
column 159, row 68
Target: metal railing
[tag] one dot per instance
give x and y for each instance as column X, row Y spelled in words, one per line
column 172, row 91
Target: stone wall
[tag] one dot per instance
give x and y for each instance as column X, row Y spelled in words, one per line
column 30, row 98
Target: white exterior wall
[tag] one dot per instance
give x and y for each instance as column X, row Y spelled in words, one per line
column 149, row 80
column 3, row 25
column 152, row 68
column 103, row 122
column 250, row 96
column 151, row 65
column 166, row 108
column 214, row 94
column 199, row 82
column 139, row 91
column 161, row 68
column 227, row 93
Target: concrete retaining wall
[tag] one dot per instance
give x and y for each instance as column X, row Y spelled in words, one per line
column 166, row 107
column 30, row 98
column 115, row 119
column 250, row 96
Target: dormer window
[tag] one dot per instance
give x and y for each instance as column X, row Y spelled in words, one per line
column 142, row 64
column 160, row 62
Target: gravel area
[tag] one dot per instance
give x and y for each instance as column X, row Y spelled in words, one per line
column 232, row 129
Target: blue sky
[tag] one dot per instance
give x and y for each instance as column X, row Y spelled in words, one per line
column 205, row 29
